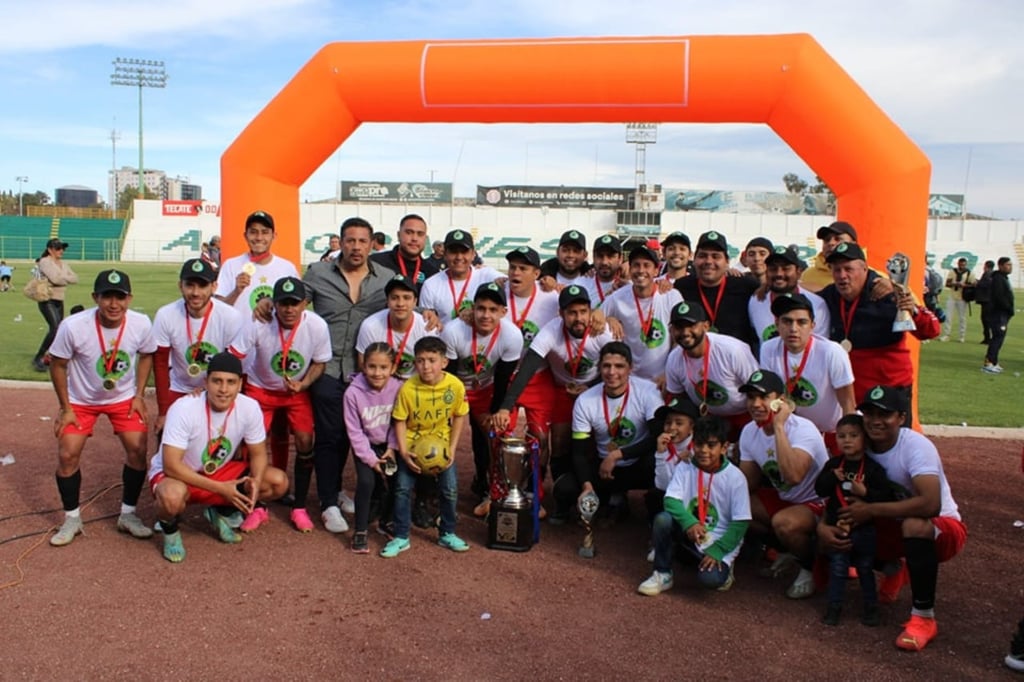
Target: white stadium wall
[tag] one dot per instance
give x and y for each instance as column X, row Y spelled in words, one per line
column 155, row 236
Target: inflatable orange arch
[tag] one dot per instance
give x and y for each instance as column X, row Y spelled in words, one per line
column 880, row 177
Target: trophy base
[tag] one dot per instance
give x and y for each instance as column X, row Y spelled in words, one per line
column 904, row 326
column 510, row 530
column 586, row 552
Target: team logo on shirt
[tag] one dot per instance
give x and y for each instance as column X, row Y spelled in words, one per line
column 448, row 397
column 656, row 335
column 717, row 395
column 406, row 365
column 771, row 471
column 711, row 514
column 121, row 364
column 530, row 330
column 624, row 430
column 803, row 393
column 465, row 305
column 215, row 453
column 770, row 332
column 586, row 364
column 292, row 367
column 200, row 353
column 258, row 294
column 469, row 366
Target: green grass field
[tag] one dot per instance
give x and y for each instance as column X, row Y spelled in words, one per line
column 953, row 388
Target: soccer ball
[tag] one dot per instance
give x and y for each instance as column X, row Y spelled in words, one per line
column 431, row 454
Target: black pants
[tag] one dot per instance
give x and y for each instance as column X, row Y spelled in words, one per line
column 636, row 476
column 986, row 322
column 330, row 449
column 53, row 313
column 369, row 486
column 999, row 321
column 862, row 556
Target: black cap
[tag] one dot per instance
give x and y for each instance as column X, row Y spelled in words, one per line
column 56, row 244
column 713, row 241
column 261, row 217
column 197, row 268
column 888, row 398
column 112, row 280
column 680, row 405
column 572, row 294
column 491, row 292
column 788, row 302
column 573, row 237
column 289, row 289
column 224, row 362
column 785, row 254
column 763, row 242
column 644, row 252
column 676, row 238
column 458, row 238
column 764, row 382
column 524, row 253
column 399, row 282
column 687, row 313
column 607, row 242
column 846, row 251
column 838, row 227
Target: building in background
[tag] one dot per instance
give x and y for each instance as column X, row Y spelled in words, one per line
column 128, row 176
column 179, row 189
column 77, row 196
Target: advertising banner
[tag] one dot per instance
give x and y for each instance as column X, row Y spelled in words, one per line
column 396, row 192
column 556, row 197
column 173, row 207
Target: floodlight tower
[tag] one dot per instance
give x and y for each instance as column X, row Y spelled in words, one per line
column 21, row 207
column 139, row 73
column 641, row 134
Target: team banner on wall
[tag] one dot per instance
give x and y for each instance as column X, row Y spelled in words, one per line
column 397, row 192
column 555, row 197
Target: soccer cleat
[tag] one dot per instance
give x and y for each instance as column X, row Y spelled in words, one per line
column 71, row 527
column 660, row 581
column 234, row 519
column 132, row 524
column 890, row 585
column 256, row 518
column 174, row 551
column 346, row 503
column 386, row 528
column 334, row 522
column 724, row 587
column 782, row 562
column 1015, row 659
column 453, row 542
column 394, row 547
column 224, row 532
column 917, row 632
column 360, row 545
column 803, row 585
column 301, row 521
column 832, row 614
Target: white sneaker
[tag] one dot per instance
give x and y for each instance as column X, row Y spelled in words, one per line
column 992, row 369
column 334, row 522
column 803, row 585
column 658, row 582
column 71, row 527
column 347, row 504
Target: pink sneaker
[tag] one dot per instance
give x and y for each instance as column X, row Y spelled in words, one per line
column 301, row 521
column 256, row 518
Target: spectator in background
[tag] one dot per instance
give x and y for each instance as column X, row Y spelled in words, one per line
column 333, row 249
column 755, row 255
column 933, row 284
column 215, row 250
column 958, row 281
column 380, row 241
column 52, row 267
column 983, row 296
column 437, row 257
column 5, row 276
column 1000, row 310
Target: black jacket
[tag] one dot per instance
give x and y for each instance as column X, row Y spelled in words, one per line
column 1002, row 294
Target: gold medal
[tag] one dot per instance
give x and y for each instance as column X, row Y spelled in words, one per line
column 703, row 409
column 109, row 384
column 194, row 370
column 249, row 269
column 846, row 344
column 210, row 467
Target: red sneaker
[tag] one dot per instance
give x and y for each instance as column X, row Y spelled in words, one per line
column 917, row 632
column 890, row 585
column 256, row 518
column 301, row 521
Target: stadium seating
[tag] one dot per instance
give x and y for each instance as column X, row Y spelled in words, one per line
column 23, row 238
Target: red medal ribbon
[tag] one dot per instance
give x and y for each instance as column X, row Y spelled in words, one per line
column 286, row 345
column 108, row 362
column 672, row 452
column 202, row 328
column 574, row 358
column 477, row 367
column 790, row 385
column 847, row 319
column 457, row 302
column 707, row 362
column 405, row 271
column 703, row 496
column 712, row 313
column 859, row 478
column 259, row 260
column 512, row 302
column 600, row 290
column 645, row 325
column 614, row 430
column 401, row 347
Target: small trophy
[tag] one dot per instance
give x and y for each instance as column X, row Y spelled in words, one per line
column 898, row 268
column 588, row 507
column 510, row 521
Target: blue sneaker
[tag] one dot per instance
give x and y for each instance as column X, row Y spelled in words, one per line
column 220, row 524
column 174, row 551
column 453, row 542
column 394, row 547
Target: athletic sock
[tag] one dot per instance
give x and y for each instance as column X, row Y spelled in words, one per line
column 923, row 567
column 69, row 488
column 75, row 513
column 303, row 473
column 127, row 509
column 923, row 613
column 132, row 480
column 169, row 527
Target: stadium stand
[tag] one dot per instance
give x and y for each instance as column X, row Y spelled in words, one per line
column 23, row 238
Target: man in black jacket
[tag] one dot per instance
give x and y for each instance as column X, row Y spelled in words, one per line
column 983, row 295
column 1000, row 310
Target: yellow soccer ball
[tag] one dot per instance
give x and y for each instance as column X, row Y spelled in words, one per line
column 431, row 454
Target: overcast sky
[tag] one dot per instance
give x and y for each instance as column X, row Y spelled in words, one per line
column 949, row 73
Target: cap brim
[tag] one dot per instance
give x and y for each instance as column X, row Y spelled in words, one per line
column 879, row 405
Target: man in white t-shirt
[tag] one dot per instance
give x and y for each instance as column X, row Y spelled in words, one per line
column 189, row 332
column 285, row 357
column 569, row 266
column 817, row 371
column 247, row 280
column 783, row 277
column 606, row 276
column 400, row 326
column 450, row 292
column 923, row 524
column 101, row 359
column 200, row 457
column 781, row 455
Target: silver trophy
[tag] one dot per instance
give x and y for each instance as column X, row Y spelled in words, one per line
column 588, row 505
column 898, row 268
column 510, row 523
column 514, row 464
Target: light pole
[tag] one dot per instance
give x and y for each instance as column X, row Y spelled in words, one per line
column 21, row 207
column 139, row 73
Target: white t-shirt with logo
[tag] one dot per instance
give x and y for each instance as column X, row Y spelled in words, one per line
column 436, row 294
column 915, row 455
column 259, row 343
column 665, row 463
column 730, row 365
column 375, row 329
column 543, row 309
column 550, row 343
column 261, row 283
column 507, row 346
column 187, row 428
column 828, row 368
column 630, row 425
column 597, row 290
column 78, row 343
column 726, row 497
column 763, row 322
column 651, row 350
column 759, row 447
column 171, row 330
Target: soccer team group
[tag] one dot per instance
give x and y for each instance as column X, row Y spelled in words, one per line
column 769, row 406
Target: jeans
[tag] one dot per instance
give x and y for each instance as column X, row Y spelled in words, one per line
column 666, row 535
column 999, row 321
column 330, row 449
column 448, row 494
column 53, row 312
column 861, row 556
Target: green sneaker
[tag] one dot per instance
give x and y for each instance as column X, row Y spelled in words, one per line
column 220, row 524
column 453, row 542
column 174, row 551
column 394, row 547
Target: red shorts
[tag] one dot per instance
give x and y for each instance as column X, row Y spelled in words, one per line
column 774, row 504
column 229, row 472
column 117, row 413
column 296, row 406
column 480, row 400
column 538, row 399
column 950, row 538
